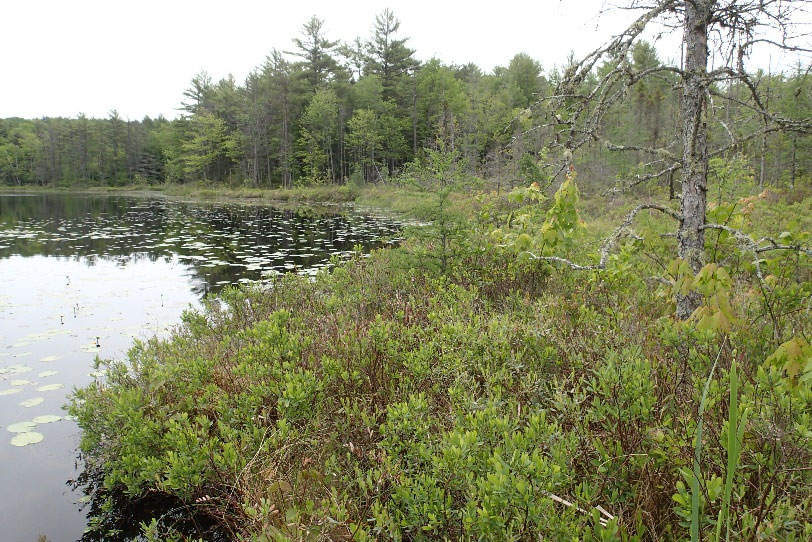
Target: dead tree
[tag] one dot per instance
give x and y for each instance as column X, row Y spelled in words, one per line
column 726, row 29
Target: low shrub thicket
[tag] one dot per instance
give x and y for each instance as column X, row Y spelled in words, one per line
column 495, row 398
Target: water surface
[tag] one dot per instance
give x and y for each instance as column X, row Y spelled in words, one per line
column 82, row 276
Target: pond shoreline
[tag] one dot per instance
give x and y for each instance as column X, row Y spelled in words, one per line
column 326, row 194
column 403, row 201
column 85, row 274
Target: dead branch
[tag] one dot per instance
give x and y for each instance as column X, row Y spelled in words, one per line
column 663, row 153
column 641, row 178
column 610, row 242
column 757, row 247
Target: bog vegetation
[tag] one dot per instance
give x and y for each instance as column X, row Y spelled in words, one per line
column 531, row 363
column 462, row 389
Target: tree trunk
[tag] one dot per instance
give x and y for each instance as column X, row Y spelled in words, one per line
column 414, row 113
column 671, row 194
column 691, row 236
column 763, row 159
column 255, row 158
column 794, row 167
column 342, row 166
column 286, row 178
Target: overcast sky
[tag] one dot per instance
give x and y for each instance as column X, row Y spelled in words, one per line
column 60, row 58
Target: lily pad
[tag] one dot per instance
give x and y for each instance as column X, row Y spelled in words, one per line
column 21, row 427
column 17, row 369
column 43, row 374
column 21, row 382
column 50, row 358
column 24, row 439
column 50, row 387
column 10, row 391
column 34, row 401
column 71, row 418
column 47, row 418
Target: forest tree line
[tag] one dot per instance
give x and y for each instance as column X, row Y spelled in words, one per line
column 327, row 112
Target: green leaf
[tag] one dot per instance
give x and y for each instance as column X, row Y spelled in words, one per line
column 21, row 427
column 50, row 387
column 24, row 439
column 46, row 418
column 523, row 241
column 34, row 401
column 10, row 391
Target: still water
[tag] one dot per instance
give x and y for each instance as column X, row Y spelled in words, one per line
column 82, row 276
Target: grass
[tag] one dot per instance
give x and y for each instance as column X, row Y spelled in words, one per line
column 735, row 440
column 319, row 194
column 697, row 477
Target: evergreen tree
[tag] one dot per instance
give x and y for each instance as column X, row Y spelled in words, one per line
column 316, row 51
column 387, row 56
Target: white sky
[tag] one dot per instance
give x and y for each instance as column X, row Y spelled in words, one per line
column 60, row 58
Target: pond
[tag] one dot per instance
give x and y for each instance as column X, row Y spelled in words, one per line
column 82, row 276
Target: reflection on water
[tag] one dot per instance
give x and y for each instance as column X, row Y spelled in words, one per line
column 221, row 244
column 84, row 276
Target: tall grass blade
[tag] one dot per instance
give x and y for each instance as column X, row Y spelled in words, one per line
column 735, row 435
column 698, row 454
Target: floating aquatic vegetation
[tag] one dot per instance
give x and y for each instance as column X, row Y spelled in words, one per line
column 21, row 427
column 44, row 374
column 10, row 391
column 70, row 418
column 34, row 401
column 46, row 418
column 98, row 374
column 46, row 334
column 21, row 382
column 16, row 369
column 50, row 387
column 24, row 439
column 50, row 358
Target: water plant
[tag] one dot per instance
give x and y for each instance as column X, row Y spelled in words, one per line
column 27, row 438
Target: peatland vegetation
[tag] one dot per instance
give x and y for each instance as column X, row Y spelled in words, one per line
column 531, row 363
column 456, row 387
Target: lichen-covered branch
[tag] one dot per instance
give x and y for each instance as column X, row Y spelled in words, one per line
column 756, row 248
column 610, row 242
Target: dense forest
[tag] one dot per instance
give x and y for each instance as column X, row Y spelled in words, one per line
column 331, row 113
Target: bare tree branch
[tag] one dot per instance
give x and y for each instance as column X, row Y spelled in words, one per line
column 641, row 178
column 610, row 242
column 662, row 153
column 757, row 247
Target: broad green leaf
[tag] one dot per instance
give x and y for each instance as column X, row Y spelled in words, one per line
column 50, row 387
column 34, row 401
column 24, row 439
column 21, row 427
column 46, row 418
